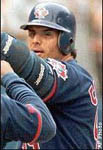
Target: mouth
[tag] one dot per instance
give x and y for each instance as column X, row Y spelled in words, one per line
column 38, row 52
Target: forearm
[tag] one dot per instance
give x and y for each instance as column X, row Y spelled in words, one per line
column 19, row 90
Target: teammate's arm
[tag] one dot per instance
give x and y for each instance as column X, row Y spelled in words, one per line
column 29, row 117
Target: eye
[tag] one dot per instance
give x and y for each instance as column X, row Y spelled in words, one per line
column 31, row 34
column 48, row 33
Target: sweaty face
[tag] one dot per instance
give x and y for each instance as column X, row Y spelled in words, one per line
column 44, row 42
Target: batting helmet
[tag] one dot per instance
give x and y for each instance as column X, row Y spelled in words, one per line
column 58, row 17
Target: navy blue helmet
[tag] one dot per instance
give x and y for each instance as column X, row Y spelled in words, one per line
column 55, row 16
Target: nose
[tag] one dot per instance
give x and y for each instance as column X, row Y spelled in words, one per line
column 37, row 39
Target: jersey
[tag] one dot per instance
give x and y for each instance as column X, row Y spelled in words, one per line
column 23, row 113
column 68, row 90
column 73, row 106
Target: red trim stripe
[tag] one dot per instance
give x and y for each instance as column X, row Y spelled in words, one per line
column 51, row 93
column 31, row 110
column 39, row 127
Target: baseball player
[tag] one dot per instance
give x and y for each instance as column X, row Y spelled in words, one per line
column 24, row 116
column 49, row 65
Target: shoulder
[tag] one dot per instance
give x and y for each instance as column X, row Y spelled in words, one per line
column 78, row 69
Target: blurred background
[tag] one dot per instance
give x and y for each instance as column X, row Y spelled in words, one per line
column 88, row 38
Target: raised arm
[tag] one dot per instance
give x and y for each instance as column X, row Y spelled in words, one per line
column 28, row 65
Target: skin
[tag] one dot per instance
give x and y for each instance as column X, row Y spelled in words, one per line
column 5, row 68
column 44, row 42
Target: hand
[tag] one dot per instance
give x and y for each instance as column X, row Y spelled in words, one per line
column 5, row 68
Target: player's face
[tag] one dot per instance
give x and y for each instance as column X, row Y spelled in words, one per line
column 44, row 42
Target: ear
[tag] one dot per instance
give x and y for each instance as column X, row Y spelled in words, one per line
column 65, row 42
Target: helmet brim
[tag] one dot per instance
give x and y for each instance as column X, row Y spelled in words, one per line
column 45, row 24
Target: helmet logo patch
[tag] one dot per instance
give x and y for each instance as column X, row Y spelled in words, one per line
column 40, row 13
column 59, row 67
